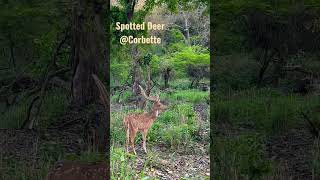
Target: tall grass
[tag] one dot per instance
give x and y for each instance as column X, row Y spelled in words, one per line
column 16, row 170
column 267, row 110
column 45, row 156
column 189, row 96
column 315, row 164
column 54, row 104
column 243, row 155
column 123, row 165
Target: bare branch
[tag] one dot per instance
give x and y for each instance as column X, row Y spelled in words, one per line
column 143, row 93
column 102, row 89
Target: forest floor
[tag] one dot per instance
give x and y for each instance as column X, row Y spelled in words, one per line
column 25, row 146
column 187, row 164
column 29, row 149
column 293, row 152
column 290, row 152
column 187, row 161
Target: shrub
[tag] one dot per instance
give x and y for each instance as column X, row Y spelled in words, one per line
column 170, row 128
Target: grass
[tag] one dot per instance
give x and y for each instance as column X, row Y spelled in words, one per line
column 264, row 109
column 178, row 95
column 190, row 96
column 264, row 112
column 315, row 164
column 54, row 104
column 123, row 164
column 47, row 154
column 15, row 170
column 242, row 157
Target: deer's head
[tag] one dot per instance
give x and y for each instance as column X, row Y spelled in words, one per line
column 157, row 105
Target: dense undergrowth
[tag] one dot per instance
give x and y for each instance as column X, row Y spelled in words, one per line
column 246, row 119
column 54, row 104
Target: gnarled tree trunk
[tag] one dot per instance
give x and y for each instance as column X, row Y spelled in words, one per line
column 88, row 48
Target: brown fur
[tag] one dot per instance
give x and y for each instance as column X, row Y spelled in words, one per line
column 141, row 122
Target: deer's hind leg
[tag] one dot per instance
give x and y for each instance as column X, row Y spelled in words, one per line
column 144, row 139
column 127, row 138
column 132, row 137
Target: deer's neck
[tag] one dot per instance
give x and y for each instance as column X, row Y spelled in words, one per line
column 154, row 113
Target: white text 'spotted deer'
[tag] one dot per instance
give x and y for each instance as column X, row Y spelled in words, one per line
column 141, row 122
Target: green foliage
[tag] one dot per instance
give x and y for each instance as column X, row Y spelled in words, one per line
column 241, row 157
column 85, row 156
column 315, row 164
column 29, row 30
column 180, row 84
column 232, row 21
column 183, row 56
column 51, row 151
column 189, row 96
column 174, row 36
column 232, row 71
column 54, row 104
column 117, row 128
column 266, row 110
column 175, row 127
column 17, row 170
column 123, row 165
column 14, row 116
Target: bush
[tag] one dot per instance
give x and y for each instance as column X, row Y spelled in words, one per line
column 175, row 127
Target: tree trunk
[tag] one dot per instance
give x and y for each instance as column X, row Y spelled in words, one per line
column 166, row 77
column 88, row 48
column 136, row 75
column 186, row 27
column 130, row 9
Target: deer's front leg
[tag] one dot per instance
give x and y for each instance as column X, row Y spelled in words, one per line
column 144, row 139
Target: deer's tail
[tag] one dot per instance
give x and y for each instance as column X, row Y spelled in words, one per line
column 126, row 125
column 127, row 128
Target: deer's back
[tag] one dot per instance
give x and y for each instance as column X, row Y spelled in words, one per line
column 78, row 171
column 138, row 121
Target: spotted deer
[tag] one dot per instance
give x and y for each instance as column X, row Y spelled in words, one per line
column 141, row 122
